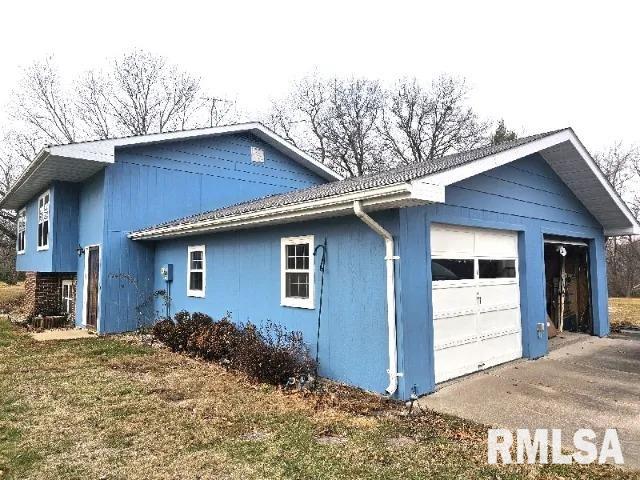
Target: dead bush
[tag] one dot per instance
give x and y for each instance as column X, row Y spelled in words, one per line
column 217, row 341
column 271, row 354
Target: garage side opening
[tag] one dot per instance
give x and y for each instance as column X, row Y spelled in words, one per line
column 567, row 286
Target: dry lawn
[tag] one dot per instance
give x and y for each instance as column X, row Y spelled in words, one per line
column 110, row 409
column 11, row 296
column 624, row 312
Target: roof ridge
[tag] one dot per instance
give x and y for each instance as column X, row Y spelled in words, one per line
column 124, row 137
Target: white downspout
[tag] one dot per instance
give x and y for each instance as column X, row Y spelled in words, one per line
column 391, row 294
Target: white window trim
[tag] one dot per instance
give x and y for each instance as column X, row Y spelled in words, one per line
column 297, row 302
column 22, row 211
column 197, row 293
column 69, row 284
column 43, row 247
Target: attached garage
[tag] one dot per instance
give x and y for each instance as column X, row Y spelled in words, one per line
column 476, row 299
column 434, row 270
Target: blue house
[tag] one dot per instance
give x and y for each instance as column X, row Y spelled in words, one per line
column 405, row 278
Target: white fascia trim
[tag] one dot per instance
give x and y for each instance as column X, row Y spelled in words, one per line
column 414, row 192
column 477, row 167
column 635, row 230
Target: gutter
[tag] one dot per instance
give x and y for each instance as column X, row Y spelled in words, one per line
column 391, row 294
column 392, row 196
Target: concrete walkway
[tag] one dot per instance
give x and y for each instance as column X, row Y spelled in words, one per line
column 587, row 382
column 62, row 334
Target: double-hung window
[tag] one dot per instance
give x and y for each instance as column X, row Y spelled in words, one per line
column 43, row 221
column 196, row 271
column 22, row 231
column 297, row 282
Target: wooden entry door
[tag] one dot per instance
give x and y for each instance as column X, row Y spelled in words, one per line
column 93, row 274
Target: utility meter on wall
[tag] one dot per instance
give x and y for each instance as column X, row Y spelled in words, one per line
column 167, row 272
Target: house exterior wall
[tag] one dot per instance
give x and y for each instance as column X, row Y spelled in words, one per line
column 243, row 277
column 155, row 183
column 243, row 273
column 525, row 196
column 90, row 232
column 63, row 232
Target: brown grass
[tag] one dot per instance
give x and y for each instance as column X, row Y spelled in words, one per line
column 11, row 297
column 106, row 408
column 624, row 313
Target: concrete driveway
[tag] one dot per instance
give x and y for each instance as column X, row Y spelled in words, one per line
column 585, row 382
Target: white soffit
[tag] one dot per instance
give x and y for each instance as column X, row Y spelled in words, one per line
column 564, row 152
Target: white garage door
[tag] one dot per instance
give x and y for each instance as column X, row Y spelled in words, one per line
column 476, row 299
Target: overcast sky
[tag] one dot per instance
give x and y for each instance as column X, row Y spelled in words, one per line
column 540, row 65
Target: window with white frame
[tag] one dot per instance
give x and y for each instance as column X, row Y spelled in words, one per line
column 43, row 221
column 196, row 271
column 22, row 231
column 297, row 281
column 67, row 296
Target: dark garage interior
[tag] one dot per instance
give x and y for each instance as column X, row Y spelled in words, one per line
column 568, row 286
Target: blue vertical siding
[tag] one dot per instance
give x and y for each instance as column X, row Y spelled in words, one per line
column 155, row 183
column 64, row 227
column 90, row 232
column 243, row 276
column 34, row 260
column 525, row 196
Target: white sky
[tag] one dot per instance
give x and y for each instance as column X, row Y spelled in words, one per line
column 540, row 65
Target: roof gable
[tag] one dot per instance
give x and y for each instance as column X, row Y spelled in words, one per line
column 78, row 161
column 422, row 183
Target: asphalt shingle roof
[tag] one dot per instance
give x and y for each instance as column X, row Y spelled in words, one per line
column 393, row 176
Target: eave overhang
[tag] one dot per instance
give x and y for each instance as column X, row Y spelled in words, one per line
column 393, row 196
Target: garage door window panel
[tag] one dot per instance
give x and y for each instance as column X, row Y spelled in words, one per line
column 452, row 269
column 494, row 268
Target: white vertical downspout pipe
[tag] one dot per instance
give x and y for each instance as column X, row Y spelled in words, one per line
column 391, row 294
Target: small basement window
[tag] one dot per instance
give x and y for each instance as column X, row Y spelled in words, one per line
column 196, row 271
column 22, row 229
column 67, row 297
column 43, row 221
column 443, row 269
column 297, row 282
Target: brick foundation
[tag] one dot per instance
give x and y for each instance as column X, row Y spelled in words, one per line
column 43, row 293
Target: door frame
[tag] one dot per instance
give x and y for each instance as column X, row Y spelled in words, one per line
column 85, row 285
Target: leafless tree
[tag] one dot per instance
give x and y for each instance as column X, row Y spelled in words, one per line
column 353, row 145
column 619, row 163
column 147, row 95
column 301, row 117
column 334, row 120
column 93, row 106
column 357, row 126
column 422, row 124
column 621, row 166
column 42, row 104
